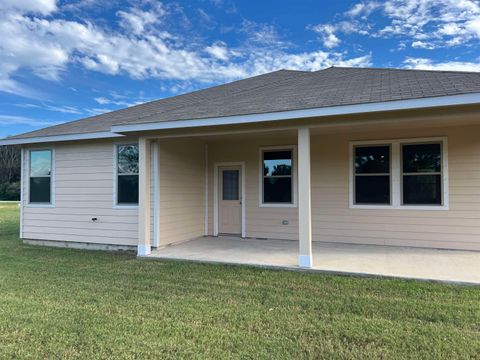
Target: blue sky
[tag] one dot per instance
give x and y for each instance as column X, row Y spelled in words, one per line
column 65, row 60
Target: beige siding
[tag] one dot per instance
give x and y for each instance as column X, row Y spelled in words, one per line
column 334, row 221
column 182, row 190
column 83, row 189
column 458, row 227
column 261, row 222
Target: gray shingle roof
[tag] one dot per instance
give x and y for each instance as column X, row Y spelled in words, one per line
column 281, row 91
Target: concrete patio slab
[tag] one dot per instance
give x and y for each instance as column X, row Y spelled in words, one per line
column 402, row 262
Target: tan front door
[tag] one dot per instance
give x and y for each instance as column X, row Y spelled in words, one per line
column 230, row 200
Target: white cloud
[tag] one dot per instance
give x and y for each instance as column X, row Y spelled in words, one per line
column 105, row 101
column 62, row 109
column 363, row 8
column 328, row 32
column 423, row 45
column 443, row 23
column 137, row 20
column 218, row 50
column 43, row 7
column 428, row 64
column 140, row 48
column 422, row 24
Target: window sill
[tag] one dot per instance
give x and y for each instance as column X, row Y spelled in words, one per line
column 409, row 207
column 126, row 207
column 278, row 205
column 39, row 205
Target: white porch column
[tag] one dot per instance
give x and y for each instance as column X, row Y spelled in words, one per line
column 144, row 175
column 304, row 199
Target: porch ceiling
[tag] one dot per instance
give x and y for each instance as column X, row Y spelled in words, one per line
column 402, row 262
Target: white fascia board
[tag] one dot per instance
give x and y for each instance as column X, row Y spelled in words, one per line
column 464, row 99
column 59, row 138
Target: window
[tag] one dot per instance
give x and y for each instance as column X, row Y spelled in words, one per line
column 277, row 177
column 401, row 174
column 372, row 175
column 127, row 174
column 421, row 174
column 40, row 182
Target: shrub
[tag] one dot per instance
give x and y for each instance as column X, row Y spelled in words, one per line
column 10, row 191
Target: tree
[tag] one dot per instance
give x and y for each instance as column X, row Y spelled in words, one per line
column 9, row 163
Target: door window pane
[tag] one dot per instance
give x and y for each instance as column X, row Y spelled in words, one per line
column 230, row 184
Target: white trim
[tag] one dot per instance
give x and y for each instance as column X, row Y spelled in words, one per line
column 306, row 113
column 463, row 99
column 52, row 180
column 115, row 177
column 215, row 194
column 305, row 261
column 22, row 189
column 58, row 138
column 261, row 150
column 205, row 231
column 143, row 250
column 156, row 194
column 395, row 180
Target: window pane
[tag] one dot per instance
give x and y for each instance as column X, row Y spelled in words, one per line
column 421, row 158
column 372, row 159
column 128, row 189
column 40, row 190
column 277, row 163
column 372, row 190
column 230, row 185
column 277, row 190
column 40, row 163
column 128, row 159
column 422, row 190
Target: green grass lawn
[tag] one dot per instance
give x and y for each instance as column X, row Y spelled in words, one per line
column 67, row 304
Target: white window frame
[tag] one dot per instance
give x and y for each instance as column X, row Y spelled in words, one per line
column 293, row 149
column 51, row 204
column 396, row 177
column 116, row 205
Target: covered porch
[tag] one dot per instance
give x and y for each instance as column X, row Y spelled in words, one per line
column 389, row 261
column 180, row 176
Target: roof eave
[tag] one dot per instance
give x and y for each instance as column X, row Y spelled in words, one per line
column 120, row 130
column 60, row 138
column 431, row 102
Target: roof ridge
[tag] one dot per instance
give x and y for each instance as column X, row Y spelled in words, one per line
column 404, row 69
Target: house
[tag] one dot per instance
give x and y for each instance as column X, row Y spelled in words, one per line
column 348, row 155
